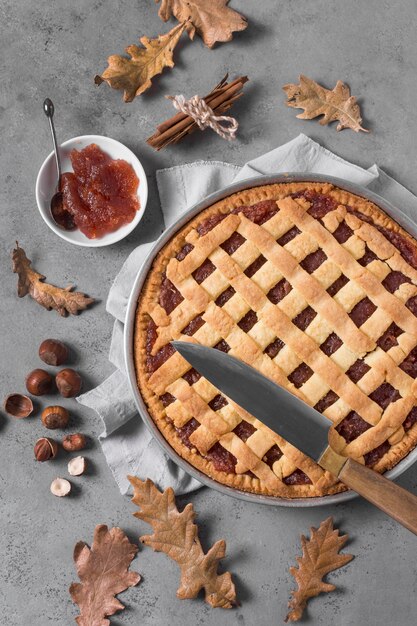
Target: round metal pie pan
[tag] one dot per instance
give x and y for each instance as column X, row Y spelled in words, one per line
column 358, row 190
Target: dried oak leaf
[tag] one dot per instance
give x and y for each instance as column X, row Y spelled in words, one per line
column 320, row 556
column 63, row 300
column 135, row 75
column 176, row 534
column 103, row 571
column 335, row 104
column 213, row 21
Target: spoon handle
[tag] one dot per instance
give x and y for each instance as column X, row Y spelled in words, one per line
column 48, row 107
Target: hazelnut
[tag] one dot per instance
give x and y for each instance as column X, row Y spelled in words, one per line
column 53, row 352
column 73, row 443
column 68, row 382
column 38, row 382
column 77, row 466
column 45, row 449
column 55, row 417
column 60, row 487
column 18, row 405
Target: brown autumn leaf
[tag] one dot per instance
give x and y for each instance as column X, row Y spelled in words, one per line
column 320, row 556
column 104, row 572
column 135, row 75
column 176, row 534
column 63, row 300
column 335, row 104
column 213, row 21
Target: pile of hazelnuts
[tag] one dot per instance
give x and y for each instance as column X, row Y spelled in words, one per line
column 40, row 382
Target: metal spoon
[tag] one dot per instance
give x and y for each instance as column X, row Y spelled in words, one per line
column 61, row 216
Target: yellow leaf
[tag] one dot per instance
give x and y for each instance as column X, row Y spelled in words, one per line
column 134, row 75
column 212, row 19
column 335, row 104
column 320, row 556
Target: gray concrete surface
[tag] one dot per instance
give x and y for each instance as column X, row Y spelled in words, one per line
column 54, row 49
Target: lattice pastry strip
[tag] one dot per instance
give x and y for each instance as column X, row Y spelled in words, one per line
column 241, row 344
column 319, row 329
column 373, row 238
column 327, row 273
column 267, row 276
column 177, row 412
column 349, row 266
column 307, row 285
column 299, row 247
column 246, row 254
column 214, row 284
column 177, row 271
column 344, row 357
column 292, row 304
column 240, row 450
column 267, row 438
column 236, row 307
column 393, row 417
column 262, row 334
column 384, row 249
column 287, row 360
column 355, row 246
column 349, row 295
column 301, row 344
column 376, row 324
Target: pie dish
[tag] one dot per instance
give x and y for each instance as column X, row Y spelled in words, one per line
column 314, row 286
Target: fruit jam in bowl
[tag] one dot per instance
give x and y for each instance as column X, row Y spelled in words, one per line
column 104, row 190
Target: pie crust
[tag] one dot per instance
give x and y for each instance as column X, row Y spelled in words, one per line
column 313, row 286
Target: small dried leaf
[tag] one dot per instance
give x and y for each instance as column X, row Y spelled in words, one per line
column 213, row 21
column 135, row 75
column 320, row 556
column 176, row 534
column 63, row 300
column 335, row 104
column 103, row 572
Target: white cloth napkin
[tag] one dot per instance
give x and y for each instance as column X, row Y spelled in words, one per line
column 126, row 442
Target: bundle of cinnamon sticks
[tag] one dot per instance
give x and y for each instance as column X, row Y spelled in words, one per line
column 220, row 99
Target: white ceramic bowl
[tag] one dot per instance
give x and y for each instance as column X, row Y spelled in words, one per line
column 47, row 179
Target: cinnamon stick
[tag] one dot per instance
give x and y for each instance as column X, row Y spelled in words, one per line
column 220, row 99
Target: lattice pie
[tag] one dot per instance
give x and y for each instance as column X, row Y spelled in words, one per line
column 317, row 289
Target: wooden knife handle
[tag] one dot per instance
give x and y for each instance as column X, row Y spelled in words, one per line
column 395, row 501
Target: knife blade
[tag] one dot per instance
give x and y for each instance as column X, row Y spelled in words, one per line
column 299, row 424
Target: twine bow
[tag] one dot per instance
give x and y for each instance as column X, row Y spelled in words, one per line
column 204, row 116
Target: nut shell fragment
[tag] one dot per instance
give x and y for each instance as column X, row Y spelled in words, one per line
column 18, row 405
column 60, row 487
column 77, row 466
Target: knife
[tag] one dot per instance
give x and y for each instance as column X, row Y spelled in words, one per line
column 299, row 424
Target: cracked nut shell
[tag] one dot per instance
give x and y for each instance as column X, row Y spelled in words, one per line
column 69, row 382
column 60, row 487
column 45, row 449
column 53, row 352
column 75, row 442
column 18, row 405
column 39, row 382
column 55, row 417
column 77, row 466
